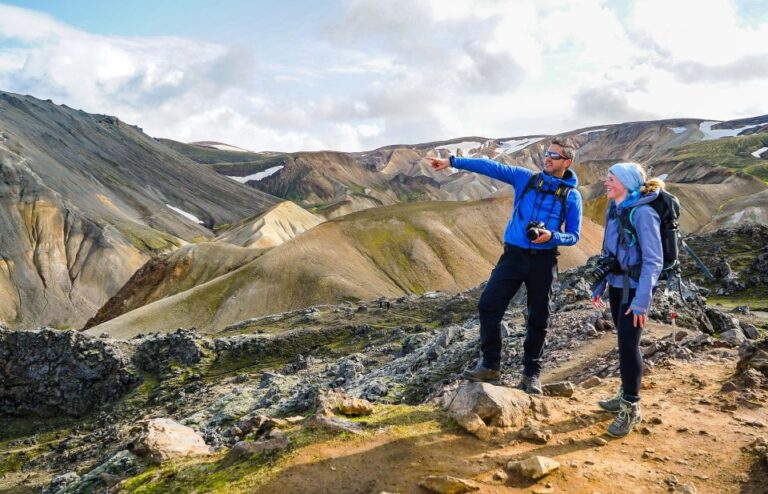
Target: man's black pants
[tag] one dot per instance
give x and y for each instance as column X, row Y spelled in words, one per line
column 538, row 270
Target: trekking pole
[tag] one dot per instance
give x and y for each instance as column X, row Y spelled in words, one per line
column 696, row 258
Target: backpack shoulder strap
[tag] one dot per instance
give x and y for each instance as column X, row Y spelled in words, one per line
column 563, row 192
column 528, row 186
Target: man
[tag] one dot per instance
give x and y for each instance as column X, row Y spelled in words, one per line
column 525, row 260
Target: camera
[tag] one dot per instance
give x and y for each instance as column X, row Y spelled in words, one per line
column 604, row 265
column 533, row 229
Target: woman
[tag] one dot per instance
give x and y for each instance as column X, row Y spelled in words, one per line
column 633, row 238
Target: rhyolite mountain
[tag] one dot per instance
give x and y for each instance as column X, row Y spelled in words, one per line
column 708, row 163
column 86, row 200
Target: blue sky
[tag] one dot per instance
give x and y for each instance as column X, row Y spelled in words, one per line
column 358, row 74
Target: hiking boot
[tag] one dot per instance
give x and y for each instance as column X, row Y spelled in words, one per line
column 626, row 420
column 612, row 404
column 531, row 385
column 482, row 374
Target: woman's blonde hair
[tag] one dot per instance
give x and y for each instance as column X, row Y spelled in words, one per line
column 650, row 185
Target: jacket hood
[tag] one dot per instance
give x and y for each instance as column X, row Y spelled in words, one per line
column 569, row 179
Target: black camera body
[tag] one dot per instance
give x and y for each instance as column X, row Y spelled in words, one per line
column 533, row 229
column 605, row 264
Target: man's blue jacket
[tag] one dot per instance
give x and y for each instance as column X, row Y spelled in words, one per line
column 533, row 206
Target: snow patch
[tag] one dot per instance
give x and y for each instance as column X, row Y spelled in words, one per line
column 514, row 145
column 464, row 146
column 187, row 215
column 227, row 147
column 711, row 134
column 736, row 217
column 591, row 131
column 760, row 151
column 257, row 176
column 678, row 130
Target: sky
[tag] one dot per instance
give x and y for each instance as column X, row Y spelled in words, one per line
column 354, row 75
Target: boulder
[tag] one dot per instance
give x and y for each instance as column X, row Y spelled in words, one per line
column 334, row 424
column 750, row 331
column 337, row 401
column 445, row 484
column 563, row 388
column 246, row 449
column 476, row 406
column 534, row 467
column 722, row 322
column 754, row 356
column 160, row 440
column 591, row 382
column 355, row 407
column 61, row 483
column 733, row 336
column 534, row 433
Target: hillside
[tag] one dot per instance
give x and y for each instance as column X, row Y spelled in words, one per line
column 390, row 252
column 83, row 191
column 173, row 273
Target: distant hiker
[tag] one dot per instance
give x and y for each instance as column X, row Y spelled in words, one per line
column 543, row 203
column 631, row 263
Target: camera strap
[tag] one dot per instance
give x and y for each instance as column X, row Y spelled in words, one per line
column 561, row 193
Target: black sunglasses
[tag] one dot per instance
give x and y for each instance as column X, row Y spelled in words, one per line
column 554, row 155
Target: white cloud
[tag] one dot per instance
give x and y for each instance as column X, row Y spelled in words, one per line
column 407, row 71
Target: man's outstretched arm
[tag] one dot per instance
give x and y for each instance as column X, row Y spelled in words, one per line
column 484, row 166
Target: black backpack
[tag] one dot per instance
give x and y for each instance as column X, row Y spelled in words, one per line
column 667, row 207
column 561, row 193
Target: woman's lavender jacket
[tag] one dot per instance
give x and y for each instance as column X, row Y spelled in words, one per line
column 647, row 250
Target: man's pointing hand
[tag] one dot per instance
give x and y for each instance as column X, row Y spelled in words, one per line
column 439, row 163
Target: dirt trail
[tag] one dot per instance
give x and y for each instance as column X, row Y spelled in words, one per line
column 692, row 433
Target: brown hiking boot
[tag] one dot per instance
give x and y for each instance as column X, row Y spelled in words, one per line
column 482, row 374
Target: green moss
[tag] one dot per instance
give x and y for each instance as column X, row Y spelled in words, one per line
column 389, row 245
column 755, row 298
column 12, row 462
column 733, row 153
column 147, row 239
column 45, row 429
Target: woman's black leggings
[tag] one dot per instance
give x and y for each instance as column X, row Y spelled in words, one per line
column 630, row 358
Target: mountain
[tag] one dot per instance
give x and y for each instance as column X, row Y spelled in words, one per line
column 275, row 226
column 87, row 199
column 696, row 154
column 390, row 251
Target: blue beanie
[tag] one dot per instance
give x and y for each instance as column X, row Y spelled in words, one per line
column 629, row 174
